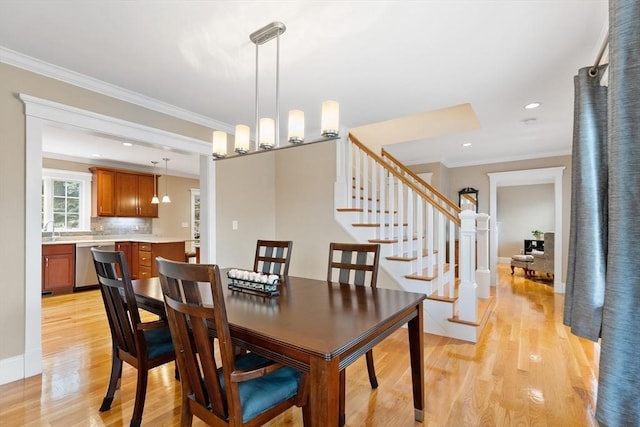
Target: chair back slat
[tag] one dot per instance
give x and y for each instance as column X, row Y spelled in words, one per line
column 273, row 256
column 357, row 264
column 119, row 300
column 189, row 321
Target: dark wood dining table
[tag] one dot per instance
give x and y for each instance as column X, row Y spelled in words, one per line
column 318, row 327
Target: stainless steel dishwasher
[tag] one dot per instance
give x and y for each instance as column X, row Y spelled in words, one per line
column 85, row 271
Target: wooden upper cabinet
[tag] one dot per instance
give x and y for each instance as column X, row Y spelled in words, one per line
column 127, row 194
column 131, row 194
column 145, row 194
column 103, row 192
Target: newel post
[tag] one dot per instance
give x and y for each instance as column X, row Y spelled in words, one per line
column 467, row 292
column 483, row 274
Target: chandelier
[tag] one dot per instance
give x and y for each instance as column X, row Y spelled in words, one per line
column 267, row 130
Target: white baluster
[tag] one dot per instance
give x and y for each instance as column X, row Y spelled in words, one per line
column 467, row 293
column 410, row 226
column 357, row 191
column 393, row 231
column 430, row 239
column 382, row 203
column 419, row 244
column 348, row 164
column 365, row 187
column 452, row 257
column 483, row 273
column 401, row 216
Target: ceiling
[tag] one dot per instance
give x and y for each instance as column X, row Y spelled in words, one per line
column 381, row 60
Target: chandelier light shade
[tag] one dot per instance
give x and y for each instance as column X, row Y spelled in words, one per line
column 154, row 199
column 267, row 130
column 296, row 126
column 242, row 140
column 330, row 118
column 165, row 198
column 267, row 133
column 219, row 144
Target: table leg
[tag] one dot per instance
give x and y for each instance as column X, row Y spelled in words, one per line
column 416, row 349
column 324, row 391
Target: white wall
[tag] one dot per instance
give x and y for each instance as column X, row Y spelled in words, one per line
column 522, row 209
column 246, row 193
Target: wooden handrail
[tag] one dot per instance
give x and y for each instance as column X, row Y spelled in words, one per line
column 415, row 176
column 408, row 183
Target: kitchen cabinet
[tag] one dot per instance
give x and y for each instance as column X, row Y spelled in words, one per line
column 130, row 193
column 143, row 256
column 124, row 247
column 58, row 268
column 103, row 192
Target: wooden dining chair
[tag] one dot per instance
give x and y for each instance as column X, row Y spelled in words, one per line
column 273, row 256
column 245, row 391
column 355, row 264
column 143, row 345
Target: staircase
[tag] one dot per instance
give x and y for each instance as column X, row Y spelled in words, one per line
column 379, row 200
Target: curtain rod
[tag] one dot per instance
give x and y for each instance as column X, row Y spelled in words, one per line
column 594, row 70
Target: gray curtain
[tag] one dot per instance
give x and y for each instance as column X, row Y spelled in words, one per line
column 587, row 264
column 619, row 382
column 619, row 377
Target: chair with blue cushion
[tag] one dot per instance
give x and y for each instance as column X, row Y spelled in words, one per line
column 143, row 345
column 244, row 391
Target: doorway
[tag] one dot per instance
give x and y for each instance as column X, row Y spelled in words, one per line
column 41, row 113
column 528, row 177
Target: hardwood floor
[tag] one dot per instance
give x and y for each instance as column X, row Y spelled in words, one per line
column 527, row 369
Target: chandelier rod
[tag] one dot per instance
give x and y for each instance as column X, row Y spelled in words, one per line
column 258, row 37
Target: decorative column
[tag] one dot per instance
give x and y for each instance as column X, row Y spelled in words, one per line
column 483, row 273
column 467, row 291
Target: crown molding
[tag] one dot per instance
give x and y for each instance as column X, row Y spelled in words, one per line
column 478, row 162
column 46, row 69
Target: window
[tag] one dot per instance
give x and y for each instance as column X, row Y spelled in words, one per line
column 66, row 200
column 195, row 213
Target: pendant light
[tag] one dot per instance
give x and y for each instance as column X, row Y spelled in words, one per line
column 267, row 129
column 165, row 198
column 154, row 199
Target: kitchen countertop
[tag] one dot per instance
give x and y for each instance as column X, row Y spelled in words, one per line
column 94, row 240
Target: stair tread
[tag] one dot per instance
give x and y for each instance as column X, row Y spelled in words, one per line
column 409, row 256
column 484, row 309
column 382, row 241
column 374, row 224
column 362, row 210
column 424, row 276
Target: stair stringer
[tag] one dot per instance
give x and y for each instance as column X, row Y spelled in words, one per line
column 436, row 312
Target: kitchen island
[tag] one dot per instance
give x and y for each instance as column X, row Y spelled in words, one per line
column 66, row 270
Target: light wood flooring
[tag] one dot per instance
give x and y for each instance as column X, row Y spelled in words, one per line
column 527, row 369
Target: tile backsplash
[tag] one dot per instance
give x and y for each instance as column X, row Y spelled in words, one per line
column 103, row 226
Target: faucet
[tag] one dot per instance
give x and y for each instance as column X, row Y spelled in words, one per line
column 53, row 229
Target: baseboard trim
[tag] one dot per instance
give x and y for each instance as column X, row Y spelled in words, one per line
column 11, row 369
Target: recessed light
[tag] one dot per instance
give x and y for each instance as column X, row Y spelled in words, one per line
column 97, row 155
column 127, row 144
column 466, row 144
column 532, row 105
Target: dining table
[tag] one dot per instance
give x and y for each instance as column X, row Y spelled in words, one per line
column 318, row 327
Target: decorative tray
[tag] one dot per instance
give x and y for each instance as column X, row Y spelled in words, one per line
column 254, row 283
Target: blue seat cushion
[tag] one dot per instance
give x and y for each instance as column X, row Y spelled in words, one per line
column 261, row 394
column 158, row 342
